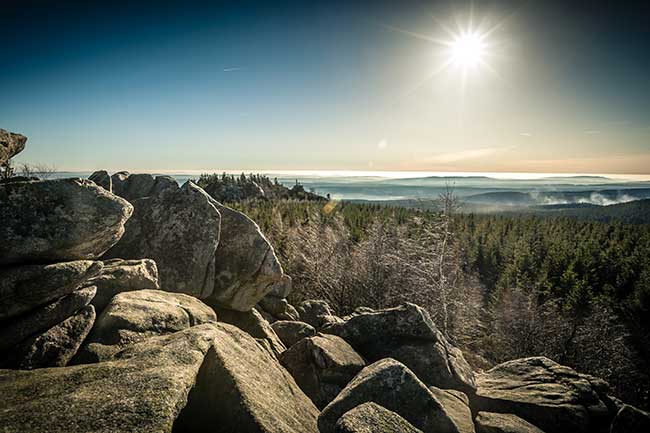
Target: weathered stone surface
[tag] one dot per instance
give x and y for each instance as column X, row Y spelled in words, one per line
column 134, row 316
column 58, row 220
column 279, row 308
column 372, row 418
column 56, row 346
column 282, row 288
column 19, row 328
column 630, row 419
column 392, row 385
column 179, row 230
column 119, row 276
column 290, row 332
column 408, row 334
column 134, row 186
column 103, row 179
column 322, row 365
column 489, row 422
column 254, row 325
column 553, row 397
column 118, row 182
column 143, row 390
column 24, row 288
column 456, row 405
column 246, row 266
column 242, row 388
column 312, row 311
column 10, row 145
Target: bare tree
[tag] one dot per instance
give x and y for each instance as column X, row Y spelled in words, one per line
column 42, row 171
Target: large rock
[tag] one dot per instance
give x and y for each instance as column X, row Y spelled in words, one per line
column 58, row 220
column 489, row 422
column 135, row 316
column 179, row 230
column 392, row 385
column 142, row 391
column 135, row 186
column 290, row 332
column 372, row 418
column 24, row 288
column 56, row 346
column 119, row 276
column 10, row 145
column 630, row 419
column 456, row 404
column 322, row 366
column 247, row 268
column 408, row 334
column 254, row 325
column 103, row 179
column 242, row 388
column 278, row 308
column 18, row 329
column 313, row 311
column 553, row 397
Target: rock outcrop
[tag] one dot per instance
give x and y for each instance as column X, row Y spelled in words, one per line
column 548, row 395
column 56, row 346
column 290, row 332
column 24, row 288
column 119, row 276
column 393, row 386
column 10, row 145
column 408, row 334
column 246, row 267
column 322, row 366
column 314, row 312
column 252, row 323
column 372, row 418
column 58, row 220
column 134, row 186
column 135, row 316
column 143, row 390
column 179, row 229
column 103, row 179
column 278, row 308
column 41, row 318
column 489, row 422
column 242, row 388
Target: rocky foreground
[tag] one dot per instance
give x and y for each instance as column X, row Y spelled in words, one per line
column 129, row 303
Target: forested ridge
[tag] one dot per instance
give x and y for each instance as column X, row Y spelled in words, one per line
column 575, row 290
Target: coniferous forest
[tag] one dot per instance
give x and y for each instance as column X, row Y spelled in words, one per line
column 500, row 286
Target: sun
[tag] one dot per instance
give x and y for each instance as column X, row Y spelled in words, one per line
column 467, row 50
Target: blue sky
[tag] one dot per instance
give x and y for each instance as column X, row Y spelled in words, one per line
column 332, row 85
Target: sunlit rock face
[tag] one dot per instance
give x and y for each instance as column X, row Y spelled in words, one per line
column 550, row 396
column 58, row 220
column 408, row 334
column 392, row 385
column 246, row 267
column 131, row 317
column 179, row 229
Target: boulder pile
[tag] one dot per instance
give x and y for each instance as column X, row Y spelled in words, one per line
column 129, row 303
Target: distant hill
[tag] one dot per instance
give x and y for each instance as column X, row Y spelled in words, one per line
column 634, row 212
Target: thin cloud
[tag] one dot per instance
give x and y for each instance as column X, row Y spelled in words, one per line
column 526, row 134
column 233, row 69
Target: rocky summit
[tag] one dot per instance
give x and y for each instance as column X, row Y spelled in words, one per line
column 129, row 303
